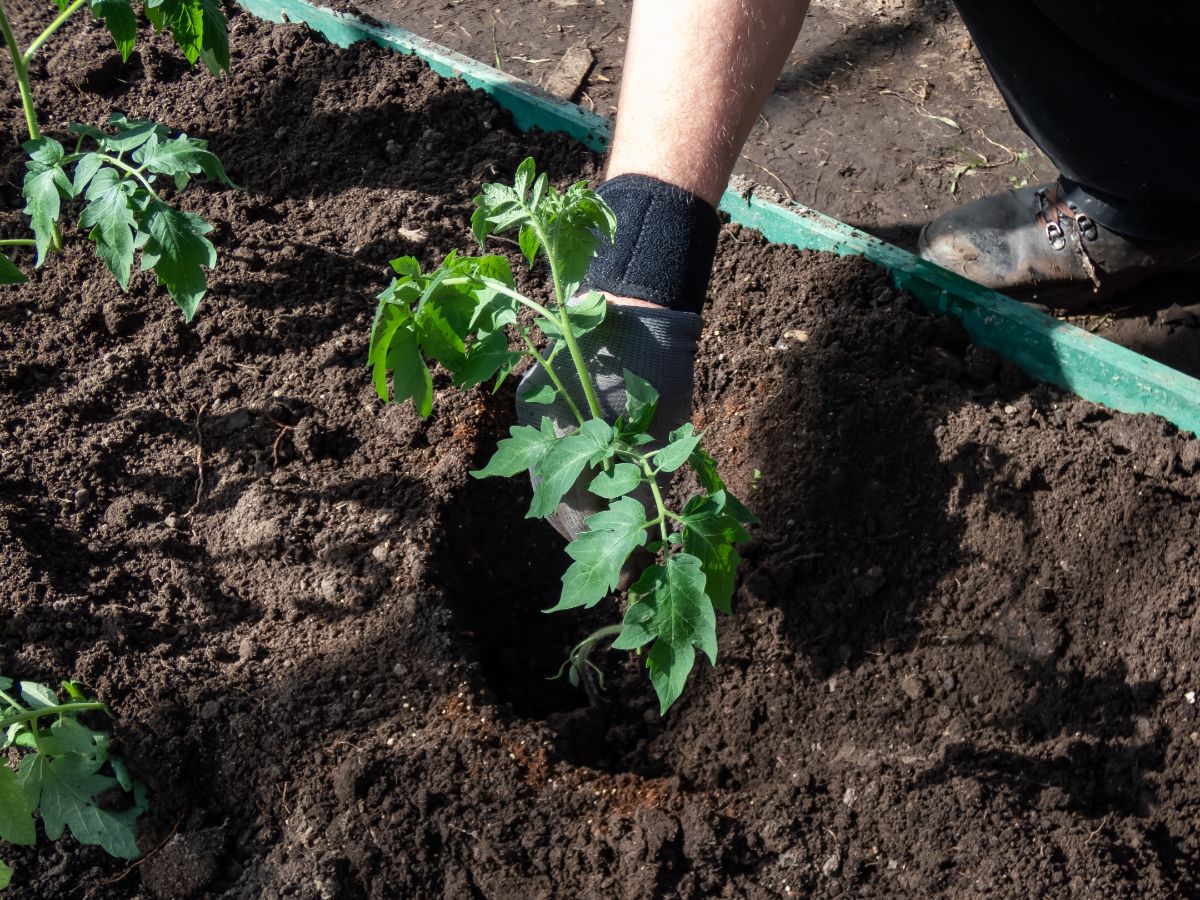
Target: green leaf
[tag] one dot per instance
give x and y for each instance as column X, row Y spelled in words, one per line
column 10, row 274
column 68, row 736
column 484, row 358
column 131, row 133
column 46, row 183
column 705, row 468
column 180, row 159
column 177, row 251
column 521, row 452
column 6, row 874
column 87, row 167
column 623, row 478
column 587, row 312
column 16, row 819
column 198, row 27
column 544, row 394
column 565, row 462
column 527, row 239
column 5, row 683
column 673, row 611
column 600, row 552
column 410, row 375
column 682, row 442
column 38, row 696
column 641, row 399
column 70, row 788
column 30, row 774
column 710, row 533
column 110, row 217
column 121, row 22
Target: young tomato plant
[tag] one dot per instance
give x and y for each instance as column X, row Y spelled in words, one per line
column 115, row 174
column 59, row 774
column 461, row 316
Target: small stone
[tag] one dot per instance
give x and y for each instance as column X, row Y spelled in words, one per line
column 83, row 498
column 1009, row 410
column 379, row 552
column 399, row 669
column 913, row 687
column 949, row 683
column 849, row 797
column 1190, row 697
column 246, row 649
column 830, row 867
column 172, row 521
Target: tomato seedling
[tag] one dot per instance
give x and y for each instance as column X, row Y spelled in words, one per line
column 462, row 314
column 59, row 774
column 116, row 173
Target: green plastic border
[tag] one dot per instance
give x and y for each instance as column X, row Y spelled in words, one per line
column 1045, row 347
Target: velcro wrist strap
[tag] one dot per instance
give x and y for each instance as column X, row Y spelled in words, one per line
column 666, row 241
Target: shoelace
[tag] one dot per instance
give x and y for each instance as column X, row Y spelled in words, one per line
column 1053, row 214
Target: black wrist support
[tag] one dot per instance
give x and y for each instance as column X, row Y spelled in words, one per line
column 666, row 241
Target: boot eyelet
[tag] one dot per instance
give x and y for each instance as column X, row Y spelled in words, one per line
column 1056, row 236
column 1087, row 228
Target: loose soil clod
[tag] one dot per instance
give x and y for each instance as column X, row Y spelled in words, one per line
column 964, row 634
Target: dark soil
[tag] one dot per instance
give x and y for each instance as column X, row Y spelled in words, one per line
column 966, row 633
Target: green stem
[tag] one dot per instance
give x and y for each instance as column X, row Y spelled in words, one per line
column 22, row 76
column 658, row 500
column 564, row 322
column 50, row 29
column 502, row 288
column 553, row 376
column 34, row 714
column 17, row 242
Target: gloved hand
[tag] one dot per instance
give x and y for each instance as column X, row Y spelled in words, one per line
column 654, row 342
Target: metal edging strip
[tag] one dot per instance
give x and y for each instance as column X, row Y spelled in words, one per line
column 1047, row 348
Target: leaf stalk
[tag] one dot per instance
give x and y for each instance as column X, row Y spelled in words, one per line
column 32, row 715
column 50, row 29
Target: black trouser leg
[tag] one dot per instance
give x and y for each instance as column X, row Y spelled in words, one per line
column 1110, row 91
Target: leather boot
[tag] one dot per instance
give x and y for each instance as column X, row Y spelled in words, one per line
column 1032, row 245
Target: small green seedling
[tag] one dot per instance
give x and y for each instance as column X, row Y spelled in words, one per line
column 115, row 174
column 462, row 314
column 60, row 773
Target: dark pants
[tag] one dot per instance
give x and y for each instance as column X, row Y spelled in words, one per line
column 1110, row 91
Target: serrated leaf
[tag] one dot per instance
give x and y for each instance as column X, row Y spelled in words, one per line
column 410, row 375
column 623, row 478
column 87, row 167
column 587, row 312
column 178, row 252
column 672, row 610
column 705, row 468
column 710, row 533
column 528, row 241
column 38, row 696
column 124, row 779
column 16, row 819
column 600, row 552
column 110, row 217
column 46, row 183
column 10, row 274
column 641, row 399
column 485, row 357
column 214, row 45
column 70, row 788
column 119, row 18
column 682, row 442
column 542, row 394
column 67, row 735
column 131, row 133
column 30, row 772
column 6, row 874
column 184, row 19
column 565, row 462
column 520, row 452
column 181, row 158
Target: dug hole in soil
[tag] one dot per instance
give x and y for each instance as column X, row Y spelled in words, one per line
column 966, row 633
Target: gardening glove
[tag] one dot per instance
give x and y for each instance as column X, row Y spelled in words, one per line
column 655, row 343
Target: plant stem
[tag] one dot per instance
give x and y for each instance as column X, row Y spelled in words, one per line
column 34, row 714
column 564, row 322
column 50, row 29
column 581, row 652
column 658, row 500
column 22, row 76
column 502, row 288
column 553, row 376
column 17, row 242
